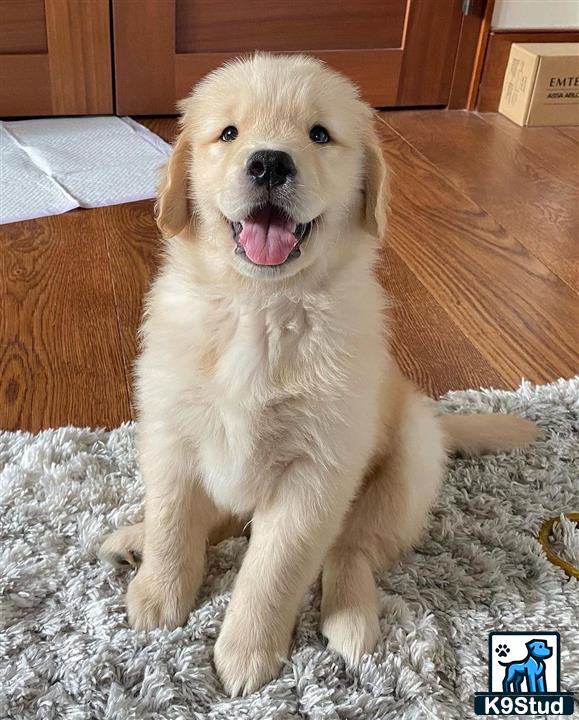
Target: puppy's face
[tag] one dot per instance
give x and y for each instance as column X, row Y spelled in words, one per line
column 278, row 161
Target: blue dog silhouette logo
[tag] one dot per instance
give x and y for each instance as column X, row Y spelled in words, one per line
column 529, row 671
column 524, row 676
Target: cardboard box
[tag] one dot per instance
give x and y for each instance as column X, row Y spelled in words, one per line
column 541, row 84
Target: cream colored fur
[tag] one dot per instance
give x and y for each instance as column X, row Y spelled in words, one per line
column 270, row 395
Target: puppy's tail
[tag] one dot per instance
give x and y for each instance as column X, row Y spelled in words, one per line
column 476, row 434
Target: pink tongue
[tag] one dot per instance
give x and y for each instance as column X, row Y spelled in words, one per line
column 267, row 237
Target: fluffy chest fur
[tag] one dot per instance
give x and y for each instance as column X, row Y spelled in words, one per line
column 260, row 387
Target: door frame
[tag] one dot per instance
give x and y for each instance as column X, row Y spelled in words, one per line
column 472, row 45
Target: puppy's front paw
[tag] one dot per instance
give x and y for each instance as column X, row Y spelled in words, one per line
column 154, row 601
column 245, row 661
column 352, row 632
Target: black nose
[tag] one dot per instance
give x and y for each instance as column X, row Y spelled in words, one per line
column 270, row 167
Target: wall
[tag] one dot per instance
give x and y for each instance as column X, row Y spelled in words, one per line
column 535, row 14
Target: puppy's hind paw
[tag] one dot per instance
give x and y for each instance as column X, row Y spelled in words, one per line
column 352, row 632
column 124, row 547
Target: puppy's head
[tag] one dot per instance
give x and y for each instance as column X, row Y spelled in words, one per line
column 276, row 165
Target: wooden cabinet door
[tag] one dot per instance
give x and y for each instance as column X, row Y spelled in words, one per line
column 400, row 52
column 55, row 57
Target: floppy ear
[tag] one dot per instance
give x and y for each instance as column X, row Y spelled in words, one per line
column 375, row 187
column 173, row 210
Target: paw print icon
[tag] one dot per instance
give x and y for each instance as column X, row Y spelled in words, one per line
column 502, row 650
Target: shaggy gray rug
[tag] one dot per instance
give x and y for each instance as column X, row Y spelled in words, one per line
column 66, row 650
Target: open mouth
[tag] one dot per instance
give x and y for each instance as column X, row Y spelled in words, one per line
column 269, row 237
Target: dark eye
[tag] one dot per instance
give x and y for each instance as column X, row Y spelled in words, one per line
column 319, row 135
column 229, row 134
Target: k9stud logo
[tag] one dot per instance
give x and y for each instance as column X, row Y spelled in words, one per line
column 524, row 676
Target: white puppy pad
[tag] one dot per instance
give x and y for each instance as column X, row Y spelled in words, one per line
column 53, row 165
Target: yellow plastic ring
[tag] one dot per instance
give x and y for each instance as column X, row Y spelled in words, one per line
column 544, row 534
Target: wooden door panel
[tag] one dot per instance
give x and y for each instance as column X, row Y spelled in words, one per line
column 377, row 71
column 400, row 52
column 23, row 27
column 144, row 41
column 430, row 46
column 24, row 85
column 223, row 26
column 55, row 57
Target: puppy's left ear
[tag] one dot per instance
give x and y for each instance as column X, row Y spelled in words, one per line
column 174, row 207
column 375, row 186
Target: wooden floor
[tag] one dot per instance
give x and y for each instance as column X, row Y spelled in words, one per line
column 481, row 263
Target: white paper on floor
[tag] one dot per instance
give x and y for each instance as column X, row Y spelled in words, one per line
column 50, row 166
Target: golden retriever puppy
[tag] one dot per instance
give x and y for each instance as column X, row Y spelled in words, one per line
column 266, row 390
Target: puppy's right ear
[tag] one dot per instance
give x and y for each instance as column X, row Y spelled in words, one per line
column 173, row 210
